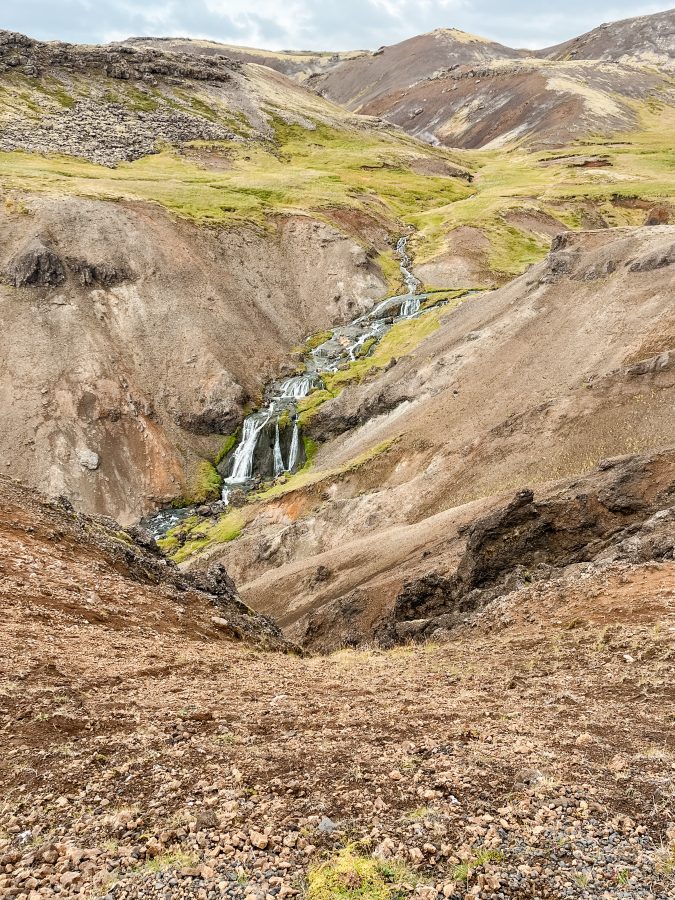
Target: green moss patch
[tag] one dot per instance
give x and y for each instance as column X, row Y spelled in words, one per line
column 229, row 443
column 193, row 536
column 316, row 340
column 204, row 485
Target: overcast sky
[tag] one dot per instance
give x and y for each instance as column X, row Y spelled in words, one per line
column 314, row 24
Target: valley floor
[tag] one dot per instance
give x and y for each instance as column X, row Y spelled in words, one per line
column 532, row 756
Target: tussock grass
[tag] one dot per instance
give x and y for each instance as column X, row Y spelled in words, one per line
column 349, row 875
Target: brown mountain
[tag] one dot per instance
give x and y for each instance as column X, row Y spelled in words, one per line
column 644, row 41
column 358, row 83
column 458, row 90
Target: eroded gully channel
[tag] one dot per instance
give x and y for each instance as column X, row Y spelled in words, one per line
column 270, row 443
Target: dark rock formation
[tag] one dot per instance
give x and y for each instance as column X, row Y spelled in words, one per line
column 102, row 127
column 625, row 509
column 117, row 61
column 654, row 261
column 37, row 266
column 332, row 420
column 98, row 274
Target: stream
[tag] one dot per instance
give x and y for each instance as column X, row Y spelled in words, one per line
column 270, row 443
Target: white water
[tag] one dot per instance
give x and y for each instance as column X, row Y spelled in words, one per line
column 242, row 462
column 410, row 307
column 297, row 387
column 278, row 458
column 295, row 446
column 343, row 346
column 411, row 282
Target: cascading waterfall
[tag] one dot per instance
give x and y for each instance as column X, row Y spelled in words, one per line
column 343, row 346
column 410, row 307
column 297, row 387
column 411, row 282
column 295, row 447
column 252, row 460
column 242, row 461
column 278, row 458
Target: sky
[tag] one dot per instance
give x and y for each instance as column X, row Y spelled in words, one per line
column 314, row 24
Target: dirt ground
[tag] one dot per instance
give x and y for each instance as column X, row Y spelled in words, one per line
column 531, row 756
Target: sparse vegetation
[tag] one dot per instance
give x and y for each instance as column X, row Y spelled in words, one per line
column 171, row 860
column 349, row 875
column 465, row 870
column 316, row 340
column 193, row 536
column 228, row 444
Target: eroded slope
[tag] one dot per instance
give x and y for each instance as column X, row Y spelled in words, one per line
column 531, row 755
column 540, row 380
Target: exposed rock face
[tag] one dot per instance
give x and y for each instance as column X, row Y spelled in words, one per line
column 331, row 422
column 37, row 265
column 102, row 128
column 108, row 133
column 623, row 510
column 296, row 64
column 22, row 54
column 141, row 337
column 215, row 410
column 358, row 82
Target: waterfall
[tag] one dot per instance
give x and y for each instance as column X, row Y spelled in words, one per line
column 278, row 458
column 333, row 355
column 405, row 262
column 295, row 444
column 242, row 463
column 410, row 307
column 297, row 387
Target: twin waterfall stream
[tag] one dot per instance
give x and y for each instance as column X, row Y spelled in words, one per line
column 270, row 443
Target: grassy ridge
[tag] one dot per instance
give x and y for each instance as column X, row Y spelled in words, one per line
column 320, row 167
column 313, row 170
column 642, row 166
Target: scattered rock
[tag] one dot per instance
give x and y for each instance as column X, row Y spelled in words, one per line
column 88, row 459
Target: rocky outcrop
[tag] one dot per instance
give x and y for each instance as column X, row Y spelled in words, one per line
column 108, row 133
column 99, row 124
column 333, row 419
column 39, row 266
column 123, row 62
column 624, row 510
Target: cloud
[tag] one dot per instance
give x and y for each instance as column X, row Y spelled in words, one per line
column 313, row 24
